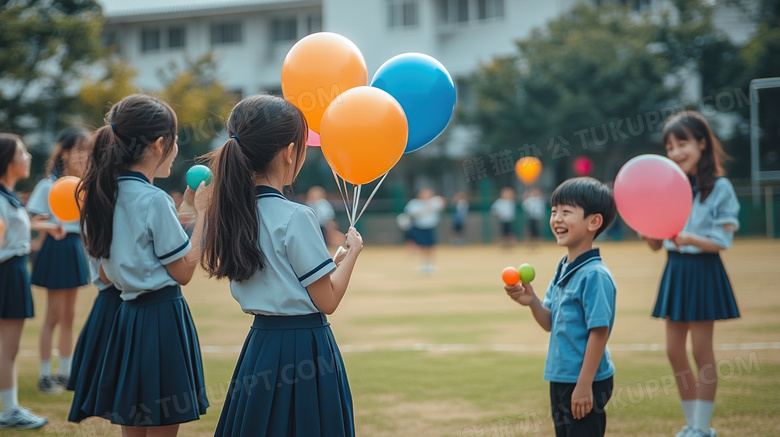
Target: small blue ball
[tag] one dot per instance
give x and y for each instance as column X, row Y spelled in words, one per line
column 197, row 174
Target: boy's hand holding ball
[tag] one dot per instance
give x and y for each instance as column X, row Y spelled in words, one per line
column 518, row 285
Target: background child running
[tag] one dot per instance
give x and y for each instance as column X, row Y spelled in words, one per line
column 695, row 289
column 578, row 309
column 290, row 378
column 505, row 209
column 425, row 213
column 16, row 303
column 151, row 379
column 60, row 266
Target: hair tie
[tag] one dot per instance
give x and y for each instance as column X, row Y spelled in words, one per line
column 113, row 127
column 236, row 137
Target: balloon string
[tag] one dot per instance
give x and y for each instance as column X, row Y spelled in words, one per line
column 343, row 198
column 355, row 201
column 370, row 197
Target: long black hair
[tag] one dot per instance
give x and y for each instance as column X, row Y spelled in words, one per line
column 687, row 125
column 7, row 150
column 259, row 128
column 67, row 139
column 131, row 126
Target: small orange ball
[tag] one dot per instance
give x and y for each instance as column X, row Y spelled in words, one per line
column 510, row 275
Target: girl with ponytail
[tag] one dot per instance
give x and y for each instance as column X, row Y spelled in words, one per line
column 273, row 253
column 152, row 355
column 60, row 266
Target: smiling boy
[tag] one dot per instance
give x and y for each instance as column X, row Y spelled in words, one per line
column 578, row 310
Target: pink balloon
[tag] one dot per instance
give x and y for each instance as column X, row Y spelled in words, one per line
column 653, row 196
column 583, row 166
column 313, row 140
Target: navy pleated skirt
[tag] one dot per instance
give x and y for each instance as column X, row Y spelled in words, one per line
column 424, row 237
column 15, row 297
column 61, row 264
column 695, row 287
column 152, row 372
column 89, row 354
column 289, row 381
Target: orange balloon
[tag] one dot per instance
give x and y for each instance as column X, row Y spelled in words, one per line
column 317, row 69
column 62, row 199
column 528, row 169
column 363, row 134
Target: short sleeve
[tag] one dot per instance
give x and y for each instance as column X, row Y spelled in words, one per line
column 168, row 237
column 39, row 199
column 305, row 247
column 598, row 300
column 413, row 208
column 725, row 213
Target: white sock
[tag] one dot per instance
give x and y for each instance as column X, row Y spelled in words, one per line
column 689, row 409
column 10, row 401
column 703, row 415
column 45, row 367
column 64, row 366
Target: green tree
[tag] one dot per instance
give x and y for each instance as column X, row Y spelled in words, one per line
column 202, row 105
column 44, row 48
column 573, row 88
column 96, row 96
column 760, row 58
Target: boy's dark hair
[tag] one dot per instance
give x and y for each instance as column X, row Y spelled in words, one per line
column 589, row 194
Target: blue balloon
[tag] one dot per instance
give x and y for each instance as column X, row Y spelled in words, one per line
column 425, row 91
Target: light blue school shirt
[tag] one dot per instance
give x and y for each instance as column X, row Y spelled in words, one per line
column 147, row 236
column 295, row 256
column 39, row 204
column 579, row 299
column 94, row 274
column 16, row 240
column 710, row 218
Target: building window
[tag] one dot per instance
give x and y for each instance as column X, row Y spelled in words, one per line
column 402, row 13
column 226, row 33
column 490, row 9
column 150, row 40
column 313, row 23
column 454, row 11
column 177, row 37
column 284, row 29
column 110, row 39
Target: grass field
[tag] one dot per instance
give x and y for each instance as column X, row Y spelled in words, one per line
column 449, row 354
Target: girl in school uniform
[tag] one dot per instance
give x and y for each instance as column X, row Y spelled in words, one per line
column 16, row 302
column 60, row 266
column 290, row 379
column 151, row 379
column 695, row 289
column 91, row 347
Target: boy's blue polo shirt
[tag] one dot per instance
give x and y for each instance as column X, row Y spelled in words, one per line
column 580, row 299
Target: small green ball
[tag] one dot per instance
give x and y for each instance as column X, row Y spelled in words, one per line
column 527, row 272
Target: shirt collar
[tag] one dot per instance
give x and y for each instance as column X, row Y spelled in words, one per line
column 129, row 174
column 11, row 196
column 575, row 265
column 266, row 191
